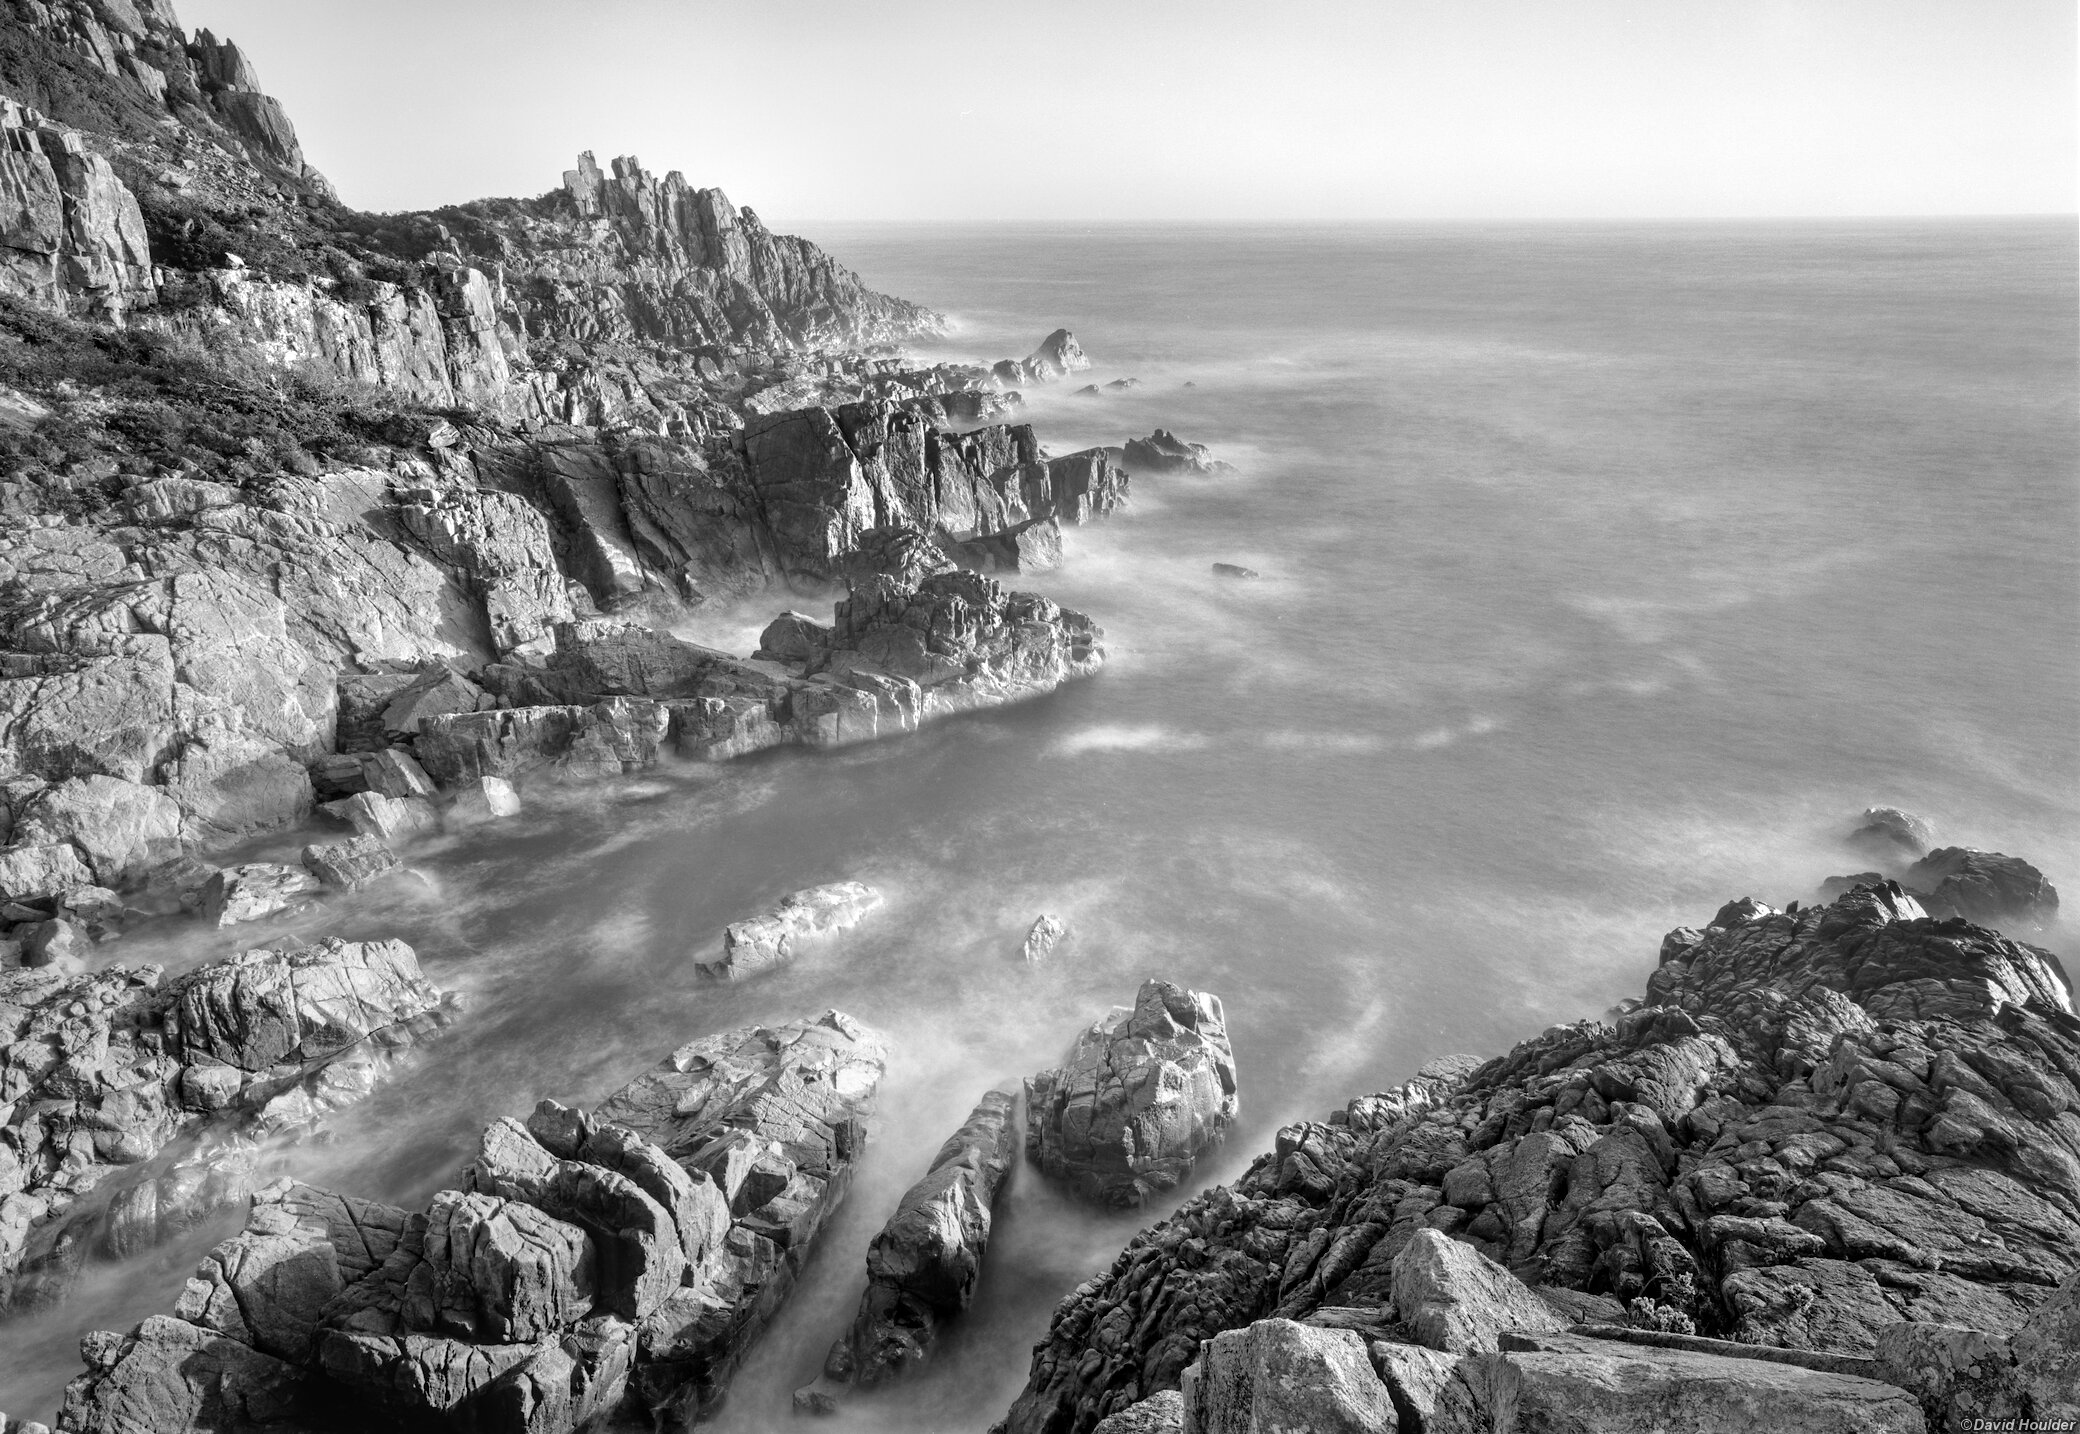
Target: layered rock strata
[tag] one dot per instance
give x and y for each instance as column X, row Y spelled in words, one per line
column 135, row 1106
column 923, row 1265
column 612, row 1265
column 1824, row 1122
column 1144, row 1094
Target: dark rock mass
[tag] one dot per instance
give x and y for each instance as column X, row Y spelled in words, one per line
column 1890, row 835
column 1822, row 1123
column 923, row 1266
column 1983, row 886
column 612, row 1265
column 1144, row 1094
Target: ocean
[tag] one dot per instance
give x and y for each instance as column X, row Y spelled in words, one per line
column 1608, row 572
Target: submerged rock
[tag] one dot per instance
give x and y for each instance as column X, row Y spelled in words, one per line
column 923, row 1265
column 1891, row 835
column 768, row 940
column 1144, row 1093
column 1046, row 934
column 1983, row 886
column 1164, row 452
column 1234, row 570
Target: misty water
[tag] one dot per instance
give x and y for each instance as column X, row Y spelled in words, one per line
column 1607, row 572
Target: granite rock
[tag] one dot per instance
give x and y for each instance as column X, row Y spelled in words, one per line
column 769, row 939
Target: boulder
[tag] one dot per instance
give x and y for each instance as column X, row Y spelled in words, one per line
column 256, row 889
column 1984, row 887
column 1891, row 835
column 794, row 638
column 1045, row 935
column 1058, row 356
column 371, row 814
column 1451, row 1297
column 350, row 864
column 923, row 1265
column 32, row 872
column 168, row 1375
column 1145, row 1092
column 768, row 940
column 1277, row 1376
column 121, row 828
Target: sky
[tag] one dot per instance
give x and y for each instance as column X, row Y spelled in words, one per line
column 1154, row 110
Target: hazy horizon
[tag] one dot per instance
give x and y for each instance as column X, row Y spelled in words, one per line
column 1490, row 110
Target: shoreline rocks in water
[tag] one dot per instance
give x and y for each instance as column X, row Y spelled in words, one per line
column 923, row 1266
column 1164, row 452
column 619, row 1264
column 1826, row 1122
column 1046, row 934
column 134, row 1105
column 768, row 940
column 1235, row 570
column 1143, row 1095
column 1058, row 356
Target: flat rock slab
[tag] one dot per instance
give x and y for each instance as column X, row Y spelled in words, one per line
column 1580, row 1383
column 770, row 939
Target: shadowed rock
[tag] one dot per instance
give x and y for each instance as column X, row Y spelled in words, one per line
column 923, row 1265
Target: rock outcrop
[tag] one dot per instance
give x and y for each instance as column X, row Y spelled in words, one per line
column 923, row 1265
column 134, row 1105
column 1825, row 1122
column 768, row 939
column 1983, row 886
column 1058, row 356
column 1164, row 452
column 613, row 1264
column 1144, row 1094
column 72, row 238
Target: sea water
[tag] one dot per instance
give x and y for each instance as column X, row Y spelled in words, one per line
column 1607, row 573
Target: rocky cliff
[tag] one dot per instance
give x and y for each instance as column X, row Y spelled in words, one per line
column 1820, row 1124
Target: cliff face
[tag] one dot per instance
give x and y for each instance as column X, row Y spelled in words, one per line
column 165, row 180
column 1825, row 1123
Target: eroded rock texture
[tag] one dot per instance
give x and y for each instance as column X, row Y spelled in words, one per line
column 618, row 1263
column 923, row 1265
column 133, row 1105
column 1825, row 1122
column 1144, row 1094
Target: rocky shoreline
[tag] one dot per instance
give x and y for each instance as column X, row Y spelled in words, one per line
column 361, row 526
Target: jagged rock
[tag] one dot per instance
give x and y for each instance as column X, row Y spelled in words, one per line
column 254, row 890
column 1836, row 886
column 769, row 939
column 265, row 1043
column 1451, row 1297
column 1144, row 1094
column 923, row 1265
column 32, row 872
column 75, row 236
column 1892, row 835
column 1234, row 570
column 1570, row 1382
column 1045, row 935
column 394, row 772
column 2047, row 1356
column 1983, row 886
column 1058, row 356
column 350, row 864
column 1164, row 452
column 1277, row 1376
column 1831, row 1119
column 1158, row 1414
column 483, row 799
